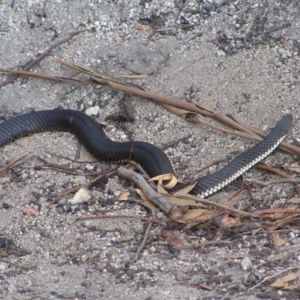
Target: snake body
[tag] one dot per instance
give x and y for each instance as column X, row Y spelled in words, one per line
column 154, row 160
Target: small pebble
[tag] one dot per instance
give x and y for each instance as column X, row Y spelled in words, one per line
column 5, row 205
column 246, row 263
column 81, row 196
column 2, row 267
column 93, row 111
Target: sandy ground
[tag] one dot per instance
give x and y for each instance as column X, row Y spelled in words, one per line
column 237, row 57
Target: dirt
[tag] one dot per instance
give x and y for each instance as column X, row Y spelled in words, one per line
column 237, row 57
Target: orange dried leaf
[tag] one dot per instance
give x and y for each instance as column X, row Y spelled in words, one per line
column 207, row 215
column 171, row 239
column 293, row 287
column 294, row 167
column 205, row 287
column 172, row 180
column 161, row 190
column 193, row 213
column 229, row 221
column 142, row 27
column 278, row 241
column 183, row 202
column 283, row 282
column 29, row 211
column 295, row 200
column 124, row 196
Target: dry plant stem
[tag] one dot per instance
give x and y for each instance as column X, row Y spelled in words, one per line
column 57, row 167
column 17, row 265
column 269, row 168
column 189, row 106
column 159, row 200
column 44, row 76
column 274, row 275
column 264, row 184
column 214, row 162
column 118, row 217
column 241, row 130
column 145, row 175
column 196, row 246
column 15, row 162
column 207, row 202
column 34, row 62
column 143, row 243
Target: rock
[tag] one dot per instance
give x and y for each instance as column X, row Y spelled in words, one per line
column 80, row 197
column 93, row 111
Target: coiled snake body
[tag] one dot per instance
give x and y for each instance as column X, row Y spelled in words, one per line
column 154, row 160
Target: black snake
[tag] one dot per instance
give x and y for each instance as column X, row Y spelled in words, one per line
column 154, row 160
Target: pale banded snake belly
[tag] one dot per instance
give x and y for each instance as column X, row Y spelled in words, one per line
column 152, row 159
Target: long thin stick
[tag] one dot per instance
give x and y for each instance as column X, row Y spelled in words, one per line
column 34, row 62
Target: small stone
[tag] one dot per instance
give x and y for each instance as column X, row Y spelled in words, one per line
column 152, row 249
column 5, row 205
column 87, row 224
column 24, row 175
column 89, row 167
column 93, row 111
column 81, row 179
column 60, row 210
column 81, row 196
column 220, row 53
column 2, row 267
column 284, row 53
column 246, row 263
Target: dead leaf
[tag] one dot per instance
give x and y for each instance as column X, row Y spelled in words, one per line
column 283, row 282
column 205, row 287
column 183, row 202
column 278, row 211
column 145, row 199
column 172, row 180
column 193, row 213
column 171, row 239
column 175, row 110
column 207, row 215
column 229, row 221
column 236, row 256
column 132, row 76
column 293, row 287
column 124, row 196
column 295, row 200
column 278, row 241
column 294, row 167
column 142, row 27
column 29, row 211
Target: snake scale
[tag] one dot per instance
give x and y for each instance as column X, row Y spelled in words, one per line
column 153, row 160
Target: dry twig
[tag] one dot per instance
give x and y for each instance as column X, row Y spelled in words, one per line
column 186, row 109
column 159, row 200
column 208, row 202
column 15, row 162
column 34, row 62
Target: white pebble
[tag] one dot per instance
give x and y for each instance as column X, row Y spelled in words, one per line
column 93, row 111
column 246, row 263
column 89, row 167
column 81, row 196
column 2, row 267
